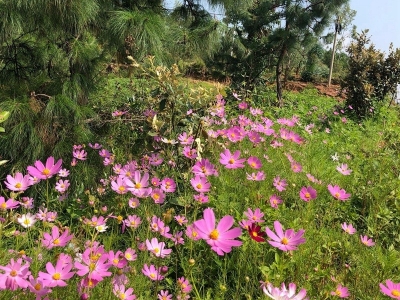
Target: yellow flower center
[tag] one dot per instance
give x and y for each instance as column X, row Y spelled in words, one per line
column 253, row 164
column 13, row 273
column 337, row 292
column 199, row 186
column 156, row 250
column 3, row 205
column 122, row 296
column 56, row 276
column 214, row 234
column 119, row 218
column 194, row 234
column 395, row 293
column 285, row 241
column 128, row 255
column 156, row 196
column 121, row 188
column 46, row 172
column 133, row 223
column 337, row 195
column 56, row 242
column 92, row 266
column 37, row 286
column 115, row 261
column 18, row 185
column 254, row 234
column 307, row 195
column 231, row 161
column 27, row 221
column 152, row 275
column 138, row 185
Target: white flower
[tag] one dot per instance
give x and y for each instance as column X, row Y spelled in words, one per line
column 335, row 157
column 101, row 228
column 27, row 220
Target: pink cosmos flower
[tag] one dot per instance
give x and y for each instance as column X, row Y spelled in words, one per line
column 391, row 289
column 185, row 139
column 119, row 185
column 168, row 185
column 308, row 193
column 63, row 173
column 285, row 241
column 9, row 204
column 152, row 272
column 41, row 171
column 164, row 295
column 57, row 275
column 130, row 254
column 93, row 263
column 201, row 198
column 274, row 201
column 296, row 167
column 341, row 292
column 37, row 287
column 62, row 186
column 254, row 217
column 231, row 161
column 254, row 162
column 243, row 105
column 184, row 285
column 189, row 153
column 344, row 169
column 338, row 193
column 200, row 184
column 15, row 275
column 55, row 239
column 204, row 168
column 348, row 228
column 139, row 185
column 279, row 184
column 220, row 237
column 158, row 249
column 133, row 202
column 158, row 196
column 79, row 154
column 181, row 220
column 259, row 176
column 95, row 146
column 192, row 233
column 283, row 293
column 18, row 183
column 133, row 221
column 122, row 293
column 117, row 259
column 367, row 241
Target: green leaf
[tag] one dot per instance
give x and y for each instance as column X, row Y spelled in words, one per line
column 4, row 115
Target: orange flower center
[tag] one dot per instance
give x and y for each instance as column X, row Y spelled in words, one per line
column 138, row 185
column 285, row 241
column 121, row 188
column 254, row 234
column 37, row 286
column 199, row 186
column 13, row 273
column 46, row 172
column 56, row 276
column 231, row 161
column 56, row 242
column 337, row 292
column 307, row 195
column 395, row 293
column 337, row 195
column 214, row 234
column 18, row 185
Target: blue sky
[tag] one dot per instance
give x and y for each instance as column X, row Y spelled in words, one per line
column 381, row 17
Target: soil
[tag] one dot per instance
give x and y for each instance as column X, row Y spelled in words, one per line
column 331, row 91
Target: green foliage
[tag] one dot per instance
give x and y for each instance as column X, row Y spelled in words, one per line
column 371, row 76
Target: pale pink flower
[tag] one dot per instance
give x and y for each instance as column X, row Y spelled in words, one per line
column 94, row 264
column 204, row 167
column 280, row 184
column 344, row 169
column 283, row 293
column 259, row 176
column 200, row 184
column 185, row 139
column 168, row 185
column 152, row 272
column 367, row 241
column 341, row 292
column 348, row 228
column 254, row 216
column 139, row 185
column 119, row 185
column 79, row 154
column 274, row 201
column 122, row 293
column 18, row 183
column 130, row 254
column 62, row 186
column 132, row 221
column 338, row 193
column 296, row 167
column 9, row 204
column 158, row 196
column 157, row 248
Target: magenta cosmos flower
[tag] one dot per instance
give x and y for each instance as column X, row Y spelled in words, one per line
column 367, row 241
column 220, row 237
column 285, row 241
column 308, row 193
column 200, row 184
column 341, row 292
column 18, row 183
column 280, row 184
column 55, row 239
column 41, row 171
column 338, row 193
column 57, row 275
column 254, row 162
column 15, row 275
column 391, row 289
column 231, row 161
